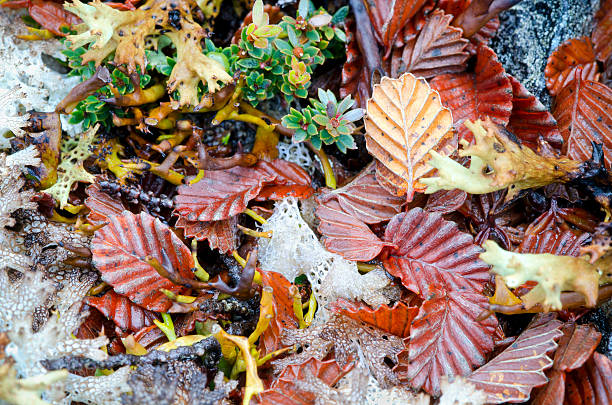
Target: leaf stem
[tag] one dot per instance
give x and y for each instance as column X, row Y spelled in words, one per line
column 255, row 216
column 167, row 326
column 330, row 179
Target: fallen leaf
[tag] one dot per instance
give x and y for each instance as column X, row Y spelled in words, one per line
column 591, row 384
column 122, row 311
column 556, row 219
column 602, row 32
column 395, row 319
column 400, row 11
column 583, row 111
column 445, row 201
column 119, row 251
column 431, row 250
column 556, row 243
column 510, row 376
column 346, row 235
column 355, row 80
column 566, row 59
column 446, row 339
column 576, row 346
column 220, row 234
column 483, row 35
column 530, row 120
column 503, row 295
column 364, row 198
column 290, row 180
column 485, row 93
column 101, row 205
column 405, row 121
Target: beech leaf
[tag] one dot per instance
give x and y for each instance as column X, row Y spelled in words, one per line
column 510, row 376
column 566, row 59
column 602, row 32
column 583, row 111
column 590, row 384
column 400, row 11
column 119, row 252
column 101, row 205
column 445, row 201
column 219, row 234
column 431, row 250
column 485, row 93
column 122, row 311
column 405, row 121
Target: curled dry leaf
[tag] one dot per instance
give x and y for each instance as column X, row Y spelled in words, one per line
column 364, row 198
column 122, row 311
column 577, row 220
column 530, row 120
column 576, row 346
column 395, row 319
column 355, row 79
column 553, row 274
column 405, row 121
column 583, row 111
column 498, row 162
column 220, row 234
column 438, row 49
column 603, row 31
column 346, row 235
column 590, row 384
column 445, row 201
column 119, row 251
column 511, row 375
column 220, row 194
column 562, row 64
column 431, row 250
column 485, row 93
column 479, row 12
column 446, row 339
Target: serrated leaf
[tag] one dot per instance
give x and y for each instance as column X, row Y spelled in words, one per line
column 602, row 31
column 561, row 66
column 119, row 251
column 123, row 312
column 445, row 201
column 101, row 205
column 590, row 384
column 219, row 234
column 405, row 121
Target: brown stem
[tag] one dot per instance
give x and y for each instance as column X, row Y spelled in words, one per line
column 206, row 162
column 79, row 92
column 365, row 38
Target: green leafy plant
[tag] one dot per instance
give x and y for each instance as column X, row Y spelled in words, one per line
column 325, row 121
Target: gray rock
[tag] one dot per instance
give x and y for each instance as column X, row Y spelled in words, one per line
column 532, row 30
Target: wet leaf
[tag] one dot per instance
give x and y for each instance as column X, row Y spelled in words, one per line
column 483, row 36
column 405, row 121
column 583, row 111
column 446, row 339
column 119, row 251
column 388, row 18
column 101, row 205
column 602, row 32
column 561, row 244
column 122, row 311
column 511, row 375
column 355, row 80
column 219, row 234
column 590, row 384
column 445, row 201
column 431, row 250
column 290, row 180
column 566, row 59
column 530, row 120
column 576, row 346
column 485, row 93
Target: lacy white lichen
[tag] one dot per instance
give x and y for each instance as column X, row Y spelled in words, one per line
column 296, row 153
column 294, row 249
column 396, row 395
column 105, row 389
column 9, row 121
column 460, row 392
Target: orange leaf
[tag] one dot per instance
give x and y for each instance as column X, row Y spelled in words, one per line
column 583, row 111
column 560, row 244
column 576, row 346
column 563, row 62
column 290, row 180
column 485, row 93
column 405, row 121
column 531, row 120
column 119, row 250
column 355, row 80
column 122, row 311
column 101, row 205
column 220, row 234
column 395, row 320
column 388, row 19
column 603, row 31
column 483, row 35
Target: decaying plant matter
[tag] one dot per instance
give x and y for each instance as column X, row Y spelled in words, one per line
column 287, row 203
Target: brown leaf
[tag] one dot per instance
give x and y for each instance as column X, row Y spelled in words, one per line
column 220, row 234
column 602, row 32
column 483, row 36
column 355, row 80
column 445, row 201
column 530, row 120
column 583, row 111
column 556, row 219
column 430, row 251
column 346, row 235
column 400, row 11
column 560, row 244
column 364, row 198
column 439, row 48
column 511, row 375
column 405, row 121
column 220, row 194
column 562, row 64
column 485, row 93
column 290, row 180
column 446, row 339
column 119, row 251
column 125, row 314
column 576, row 346
column 590, row 384
column 101, row 205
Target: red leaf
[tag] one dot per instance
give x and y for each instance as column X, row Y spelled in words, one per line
column 395, row 320
column 101, row 205
column 602, row 32
column 454, row 7
column 446, row 339
column 284, row 173
column 366, row 199
column 485, row 93
column 558, row 219
column 483, row 35
column 563, row 62
column 576, row 346
column 281, row 192
column 511, row 375
column 119, row 250
column 346, row 235
column 445, row 201
column 583, row 111
column 125, row 314
column 220, row 234
column 284, row 317
column 431, row 250
column 399, row 12
column 283, row 391
column 355, row 80
column 221, row 194
column 590, row 384
column 530, row 120
column 560, row 244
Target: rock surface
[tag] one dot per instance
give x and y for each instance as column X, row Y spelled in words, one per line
column 532, row 30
